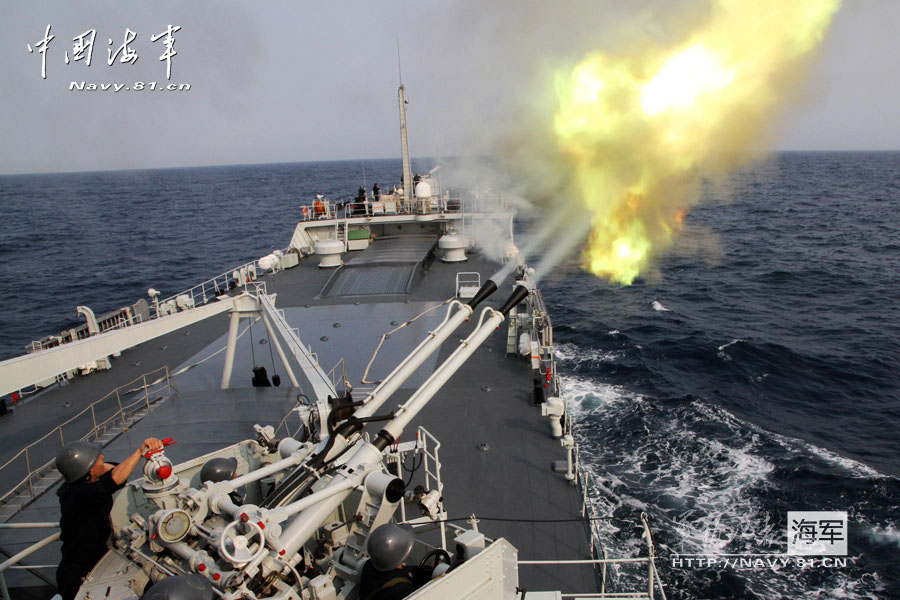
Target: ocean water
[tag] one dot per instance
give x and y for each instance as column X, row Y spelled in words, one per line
column 755, row 373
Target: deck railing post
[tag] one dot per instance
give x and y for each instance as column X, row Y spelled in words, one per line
column 577, row 464
column 651, row 556
column 584, row 491
column 603, row 576
column 4, row 591
column 146, row 391
column 94, row 419
column 425, row 459
column 28, row 468
column 121, row 412
column 168, row 382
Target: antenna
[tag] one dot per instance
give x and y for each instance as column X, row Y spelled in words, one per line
column 399, row 69
column 404, row 142
column 437, row 149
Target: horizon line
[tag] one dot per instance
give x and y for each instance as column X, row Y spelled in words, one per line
column 334, row 160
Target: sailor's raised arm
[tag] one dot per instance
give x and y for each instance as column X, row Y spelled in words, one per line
column 122, row 471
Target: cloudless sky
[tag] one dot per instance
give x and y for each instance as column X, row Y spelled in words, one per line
column 284, row 81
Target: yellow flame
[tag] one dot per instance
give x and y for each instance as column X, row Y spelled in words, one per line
column 684, row 79
column 642, row 130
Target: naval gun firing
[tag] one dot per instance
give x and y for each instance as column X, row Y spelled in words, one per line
column 253, row 549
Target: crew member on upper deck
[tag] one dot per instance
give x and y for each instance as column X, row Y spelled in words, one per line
column 85, row 500
column 359, row 204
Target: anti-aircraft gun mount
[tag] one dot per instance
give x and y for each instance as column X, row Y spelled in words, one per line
column 169, row 523
column 294, row 521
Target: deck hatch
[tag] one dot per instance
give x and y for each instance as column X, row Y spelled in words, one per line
column 371, row 281
column 388, row 266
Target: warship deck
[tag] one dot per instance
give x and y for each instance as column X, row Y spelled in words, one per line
column 496, row 450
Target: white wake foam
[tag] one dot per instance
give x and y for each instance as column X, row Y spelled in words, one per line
column 713, row 496
column 732, row 342
column 724, row 355
column 571, row 354
column 657, row 305
column 705, row 489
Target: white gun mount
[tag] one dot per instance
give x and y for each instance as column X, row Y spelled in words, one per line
column 269, row 533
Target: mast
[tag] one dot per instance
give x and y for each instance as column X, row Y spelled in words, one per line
column 404, row 149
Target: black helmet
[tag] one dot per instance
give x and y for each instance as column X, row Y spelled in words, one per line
column 389, row 545
column 218, row 469
column 180, row 587
column 76, row 459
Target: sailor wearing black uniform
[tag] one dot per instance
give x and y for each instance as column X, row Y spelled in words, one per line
column 384, row 576
column 360, row 204
column 85, row 500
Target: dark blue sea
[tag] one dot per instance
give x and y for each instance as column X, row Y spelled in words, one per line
column 758, row 372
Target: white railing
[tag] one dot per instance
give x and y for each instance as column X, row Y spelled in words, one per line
column 392, row 204
column 302, row 417
column 582, row 481
column 197, row 295
column 428, row 447
column 212, row 288
column 118, row 319
column 12, row 561
column 340, row 368
column 654, row 583
column 111, row 414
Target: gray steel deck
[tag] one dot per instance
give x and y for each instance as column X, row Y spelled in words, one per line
column 487, row 402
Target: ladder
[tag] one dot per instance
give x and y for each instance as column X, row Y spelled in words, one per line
column 340, row 232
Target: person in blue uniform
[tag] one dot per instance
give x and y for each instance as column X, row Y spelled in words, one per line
column 85, row 500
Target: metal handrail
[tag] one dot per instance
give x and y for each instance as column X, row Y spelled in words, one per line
column 119, row 417
column 15, row 558
column 354, row 209
column 12, row 561
column 365, row 209
column 284, row 422
column 199, row 295
column 431, row 464
column 585, row 561
column 653, row 580
column 343, row 372
column 582, row 479
column 608, row 595
column 211, row 288
column 588, row 512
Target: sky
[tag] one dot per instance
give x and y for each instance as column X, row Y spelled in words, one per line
column 286, row 81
